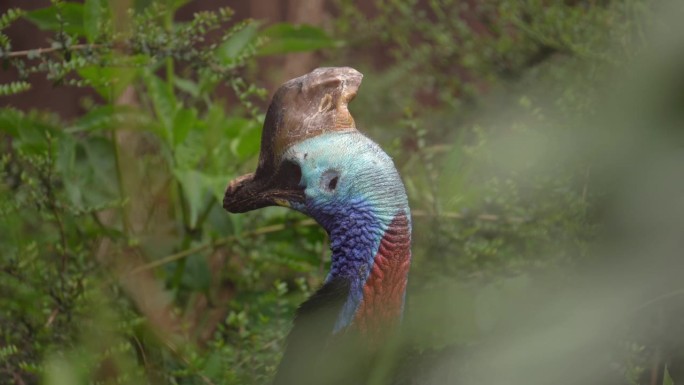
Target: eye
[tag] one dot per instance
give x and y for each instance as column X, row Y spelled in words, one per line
column 329, row 180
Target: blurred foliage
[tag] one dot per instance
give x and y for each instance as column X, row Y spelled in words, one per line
column 489, row 108
column 119, row 264
column 114, row 241
column 482, row 75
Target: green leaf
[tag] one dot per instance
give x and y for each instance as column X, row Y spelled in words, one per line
column 94, row 14
column 233, row 127
column 88, row 170
column 247, row 145
column 231, row 49
column 101, row 157
column 47, row 18
column 179, row 3
column 29, row 131
column 198, row 189
column 218, row 121
column 187, row 86
column 163, row 100
column 285, row 37
column 109, row 82
column 196, row 274
column 98, row 118
column 183, row 122
column 10, row 121
column 66, row 167
column 110, row 117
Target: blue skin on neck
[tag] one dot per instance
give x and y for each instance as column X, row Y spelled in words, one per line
column 354, row 191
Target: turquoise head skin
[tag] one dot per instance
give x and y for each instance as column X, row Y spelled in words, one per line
column 353, row 190
column 341, row 168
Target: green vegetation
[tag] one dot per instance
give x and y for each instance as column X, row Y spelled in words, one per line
column 119, row 266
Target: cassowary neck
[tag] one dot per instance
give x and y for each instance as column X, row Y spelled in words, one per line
column 367, row 217
column 370, row 246
column 363, row 293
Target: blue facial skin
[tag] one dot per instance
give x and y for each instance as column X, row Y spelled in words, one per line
column 354, row 191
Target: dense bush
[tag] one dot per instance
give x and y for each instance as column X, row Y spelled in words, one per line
column 118, row 263
column 114, row 241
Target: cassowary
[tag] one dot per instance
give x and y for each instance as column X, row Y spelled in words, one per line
column 314, row 160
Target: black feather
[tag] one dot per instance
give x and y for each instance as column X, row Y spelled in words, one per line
column 313, row 354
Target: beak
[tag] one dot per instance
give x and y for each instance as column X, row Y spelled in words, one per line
column 254, row 191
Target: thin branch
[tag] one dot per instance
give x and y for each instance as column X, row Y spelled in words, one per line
column 40, row 51
column 52, row 317
column 141, row 349
column 217, row 243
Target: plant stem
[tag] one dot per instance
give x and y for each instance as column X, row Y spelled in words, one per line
column 120, row 181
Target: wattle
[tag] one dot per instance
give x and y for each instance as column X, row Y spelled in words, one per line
column 383, row 293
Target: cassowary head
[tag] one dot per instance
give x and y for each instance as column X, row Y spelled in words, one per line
column 315, row 161
column 302, row 110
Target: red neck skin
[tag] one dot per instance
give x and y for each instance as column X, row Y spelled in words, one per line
column 380, row 311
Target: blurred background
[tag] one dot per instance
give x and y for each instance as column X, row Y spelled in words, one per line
column 540, row 143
